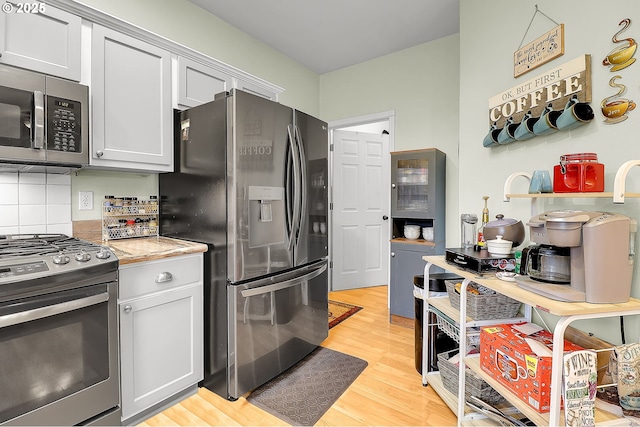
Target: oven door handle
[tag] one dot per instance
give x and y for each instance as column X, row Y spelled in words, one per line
column 283, row 285
column 51, row 310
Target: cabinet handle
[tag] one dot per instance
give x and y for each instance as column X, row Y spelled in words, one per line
column 393, row 254
column 393, row 186
column 127, row 309
column 164, row 277
column 99, row 153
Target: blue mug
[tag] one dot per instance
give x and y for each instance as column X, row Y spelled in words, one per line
column 575, row 114
column 547, row 122
column 506, row 135
column 491, row 139
column 525, row 129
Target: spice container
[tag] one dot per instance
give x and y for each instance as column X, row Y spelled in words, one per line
column 578, row 173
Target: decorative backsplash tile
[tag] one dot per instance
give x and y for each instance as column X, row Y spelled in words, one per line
column 35, row 203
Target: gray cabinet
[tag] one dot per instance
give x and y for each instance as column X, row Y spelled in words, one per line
column 132, row 113
column 198, row 83
column 417, row 198
column 161, row 331
column 406, row 262
column 47, row 41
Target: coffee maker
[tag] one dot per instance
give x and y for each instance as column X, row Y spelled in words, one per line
column 580, row 256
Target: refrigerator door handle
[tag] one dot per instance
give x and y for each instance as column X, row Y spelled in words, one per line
column 288, row 192
column 303, row 180
column 297, row 193
column 320, row 268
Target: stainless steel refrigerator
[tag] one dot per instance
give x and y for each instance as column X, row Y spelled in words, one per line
column 250, row 181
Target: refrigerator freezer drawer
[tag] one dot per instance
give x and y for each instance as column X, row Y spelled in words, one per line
column 273, row 326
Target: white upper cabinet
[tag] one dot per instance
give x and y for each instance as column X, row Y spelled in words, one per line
column 47, row 41
column 199, row 83
column 132, row 115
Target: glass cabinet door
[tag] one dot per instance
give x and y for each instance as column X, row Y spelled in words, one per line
column 412, row 180
column 417, row 183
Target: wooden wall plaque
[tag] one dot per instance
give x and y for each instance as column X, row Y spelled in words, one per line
column 540, row 51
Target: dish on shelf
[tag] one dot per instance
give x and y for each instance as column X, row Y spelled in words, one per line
column 412, row 232
column 507, row 276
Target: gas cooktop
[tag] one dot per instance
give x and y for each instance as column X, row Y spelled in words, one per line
column 25, row 256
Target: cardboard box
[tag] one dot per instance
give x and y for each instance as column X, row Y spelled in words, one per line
column 505, row 355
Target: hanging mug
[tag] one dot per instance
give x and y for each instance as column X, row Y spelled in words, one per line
column 506, row 135
column 575, row 114
column 525, row 129
column 547, row 122
column 491, row 139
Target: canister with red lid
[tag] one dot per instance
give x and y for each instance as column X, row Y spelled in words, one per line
column 578, row 173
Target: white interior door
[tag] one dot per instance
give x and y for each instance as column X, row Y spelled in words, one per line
column 360, row 221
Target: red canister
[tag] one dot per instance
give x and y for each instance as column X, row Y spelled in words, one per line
column 578, row 173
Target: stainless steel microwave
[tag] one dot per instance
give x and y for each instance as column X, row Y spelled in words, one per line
column 43, row 120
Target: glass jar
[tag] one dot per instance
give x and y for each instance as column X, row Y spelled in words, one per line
column 468, row 224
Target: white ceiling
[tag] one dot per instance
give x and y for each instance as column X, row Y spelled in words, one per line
column 326, row 35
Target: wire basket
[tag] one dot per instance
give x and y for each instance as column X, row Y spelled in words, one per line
column 473, row 386
column 451, row 329
column 484, row 306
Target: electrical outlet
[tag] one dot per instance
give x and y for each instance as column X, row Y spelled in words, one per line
column 85, row 200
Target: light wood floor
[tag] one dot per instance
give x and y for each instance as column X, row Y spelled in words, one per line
column 389, row 392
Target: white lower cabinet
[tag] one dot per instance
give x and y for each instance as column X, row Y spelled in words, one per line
column 161, row 331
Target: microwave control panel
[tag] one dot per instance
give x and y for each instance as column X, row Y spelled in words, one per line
column 63, row 125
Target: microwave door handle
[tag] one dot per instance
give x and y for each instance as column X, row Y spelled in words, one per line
column 51, row 310
column 38, row 120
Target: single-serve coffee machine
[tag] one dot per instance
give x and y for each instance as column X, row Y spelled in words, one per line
column 580, row 256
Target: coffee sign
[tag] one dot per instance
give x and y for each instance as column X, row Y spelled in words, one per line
column 552, row 89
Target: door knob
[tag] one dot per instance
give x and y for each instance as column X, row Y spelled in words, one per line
column 99, row 153
column 393, row 254
column 393, row 186
column 127, row 309
column 384, row 217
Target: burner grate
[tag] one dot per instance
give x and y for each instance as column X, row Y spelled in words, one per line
column 21, row 245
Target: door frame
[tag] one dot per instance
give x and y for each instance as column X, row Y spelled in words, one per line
column 384, row 116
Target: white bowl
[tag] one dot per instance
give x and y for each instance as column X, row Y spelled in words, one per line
column 427, row 233
column 498, row 246
column 412, row 232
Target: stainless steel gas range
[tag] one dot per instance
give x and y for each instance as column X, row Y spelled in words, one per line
column 58, row 332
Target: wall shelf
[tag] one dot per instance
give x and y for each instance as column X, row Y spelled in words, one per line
column 617, row 195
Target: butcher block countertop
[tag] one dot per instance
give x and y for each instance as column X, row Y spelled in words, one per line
column 150, row 248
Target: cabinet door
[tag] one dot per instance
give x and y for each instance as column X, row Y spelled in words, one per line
column 132, row 124
column 161, row 346
column 198, row 84
column 47, row 41
column 406, row 262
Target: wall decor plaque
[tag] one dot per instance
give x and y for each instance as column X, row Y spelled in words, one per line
column 552, row 89
column 540, row 51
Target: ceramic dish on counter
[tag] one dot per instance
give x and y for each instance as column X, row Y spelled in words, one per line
column 498, row 246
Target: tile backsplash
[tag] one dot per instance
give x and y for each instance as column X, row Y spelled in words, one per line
column 35, row 203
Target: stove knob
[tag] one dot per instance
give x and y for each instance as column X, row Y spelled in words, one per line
column 61, row 259
column 103, row 254
column 83, row 256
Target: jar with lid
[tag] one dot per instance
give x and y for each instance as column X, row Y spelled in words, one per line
column 134, row 205
column 578, row 173
column 153, row 204
column 153, row 226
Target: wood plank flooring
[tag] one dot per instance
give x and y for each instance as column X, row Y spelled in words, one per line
column 389, row 392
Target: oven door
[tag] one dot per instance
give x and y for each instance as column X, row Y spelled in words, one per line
column 58, row 357
column 22, row 115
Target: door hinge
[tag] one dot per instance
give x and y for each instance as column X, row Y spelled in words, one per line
column 331, row 206
column 330, row 147
column 330, row 264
